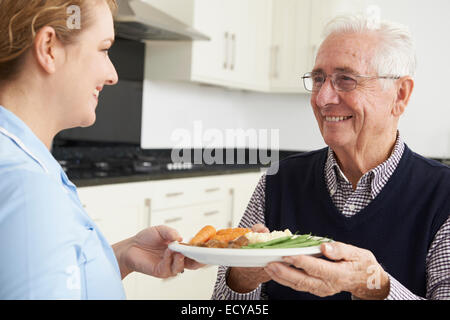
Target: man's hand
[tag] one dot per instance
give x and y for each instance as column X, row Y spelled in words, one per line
column 354, row 270
column 244, row 280
column 147, row 252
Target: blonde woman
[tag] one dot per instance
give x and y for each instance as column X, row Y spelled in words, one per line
column 53, row 65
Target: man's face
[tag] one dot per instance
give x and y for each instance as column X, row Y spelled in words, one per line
column 366, row 109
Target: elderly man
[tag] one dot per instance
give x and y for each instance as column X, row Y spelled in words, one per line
column 386, row 207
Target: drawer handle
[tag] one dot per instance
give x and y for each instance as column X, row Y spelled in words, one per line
column 211, row 213
column 212, row 190
column 173, row 220
column 174, row 194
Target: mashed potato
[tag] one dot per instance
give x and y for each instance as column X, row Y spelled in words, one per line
column 256, row 237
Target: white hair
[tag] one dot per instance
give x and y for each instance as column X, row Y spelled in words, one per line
column 396, row 51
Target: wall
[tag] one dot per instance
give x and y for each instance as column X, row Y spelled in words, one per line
column 425, row 125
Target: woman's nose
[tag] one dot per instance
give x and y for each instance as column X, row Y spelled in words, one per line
column 327, row 94
column 113, row 77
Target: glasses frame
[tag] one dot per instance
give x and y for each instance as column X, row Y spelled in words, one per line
column 332, row 78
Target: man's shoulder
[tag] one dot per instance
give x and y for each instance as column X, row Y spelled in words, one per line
column 432, row 171
column 304, row 157
column 430, row 164
column 299, row 162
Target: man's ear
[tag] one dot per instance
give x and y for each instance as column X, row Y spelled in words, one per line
column 405, row 88
column 45, row 49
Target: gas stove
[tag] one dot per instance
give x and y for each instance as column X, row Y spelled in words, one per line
column 96, row 161
column 116, row 161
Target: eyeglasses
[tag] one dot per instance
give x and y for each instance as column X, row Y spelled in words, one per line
column 313, row 81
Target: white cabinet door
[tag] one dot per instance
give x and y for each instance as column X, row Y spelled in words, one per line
column 226, row 58
column 290, row 48
column 210, row 59
column 187, row 221
column 243, row 186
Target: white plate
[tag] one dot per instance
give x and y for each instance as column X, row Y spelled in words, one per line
column 240, row 257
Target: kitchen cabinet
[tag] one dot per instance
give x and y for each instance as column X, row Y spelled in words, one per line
column 122, row 210
column 259, row 45
column 227, row 58
column 289, row 51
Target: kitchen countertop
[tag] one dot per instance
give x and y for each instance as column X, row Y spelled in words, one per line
column 160, row 176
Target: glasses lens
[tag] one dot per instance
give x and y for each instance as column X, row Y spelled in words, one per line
column 345, row 82
column 308, row 82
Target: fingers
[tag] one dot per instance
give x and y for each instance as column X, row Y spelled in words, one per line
column 296, row 279
column 168, row 234
column 259, row 227
column 314, row 267
column 340, row 251
column 192, row 264
column 177, row 264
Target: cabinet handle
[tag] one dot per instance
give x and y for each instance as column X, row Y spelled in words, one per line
column 274, row 73
column 225, row 56
column 233, row 51
column 212, row 190
column 173, row 220
column 211, row 213
column 174, row 194
column 148, row 206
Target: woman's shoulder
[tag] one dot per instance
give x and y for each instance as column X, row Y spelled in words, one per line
column 13, row 158
column 28, row 192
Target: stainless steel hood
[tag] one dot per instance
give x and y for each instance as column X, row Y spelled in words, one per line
column 138, row 20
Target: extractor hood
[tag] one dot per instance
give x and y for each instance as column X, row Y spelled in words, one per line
column 138, row 20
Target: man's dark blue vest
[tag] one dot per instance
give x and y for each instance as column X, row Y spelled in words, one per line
column 398, row 226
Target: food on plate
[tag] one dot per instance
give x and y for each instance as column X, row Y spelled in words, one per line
column 206, row 233
column 230, row 234
column 257, row 237
column 244, row 238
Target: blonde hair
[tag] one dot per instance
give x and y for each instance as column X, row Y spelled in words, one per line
column 22, row 19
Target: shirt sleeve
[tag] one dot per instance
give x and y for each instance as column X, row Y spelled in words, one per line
column 438, row 271
column 253, row 214
column 39, row 257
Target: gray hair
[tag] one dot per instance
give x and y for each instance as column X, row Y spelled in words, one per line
column 396, row 52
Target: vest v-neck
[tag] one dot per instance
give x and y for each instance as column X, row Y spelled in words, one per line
column 374, row 207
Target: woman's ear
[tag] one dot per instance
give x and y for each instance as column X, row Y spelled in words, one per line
column 404, row 91
column 46, row 48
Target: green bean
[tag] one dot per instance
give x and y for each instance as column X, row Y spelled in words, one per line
column 300, row 241
column 295, row 241
column 305, row 244
column 270, row 242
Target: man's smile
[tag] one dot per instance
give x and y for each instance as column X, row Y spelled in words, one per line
column 337, row 118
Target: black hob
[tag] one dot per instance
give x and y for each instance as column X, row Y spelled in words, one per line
column 92, row 161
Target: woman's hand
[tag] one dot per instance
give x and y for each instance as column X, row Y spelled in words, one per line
column 354, row 270
column 147, row 253
column 244, row 280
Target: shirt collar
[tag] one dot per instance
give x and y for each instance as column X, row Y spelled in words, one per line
column 376, row 177
column 16, row 130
